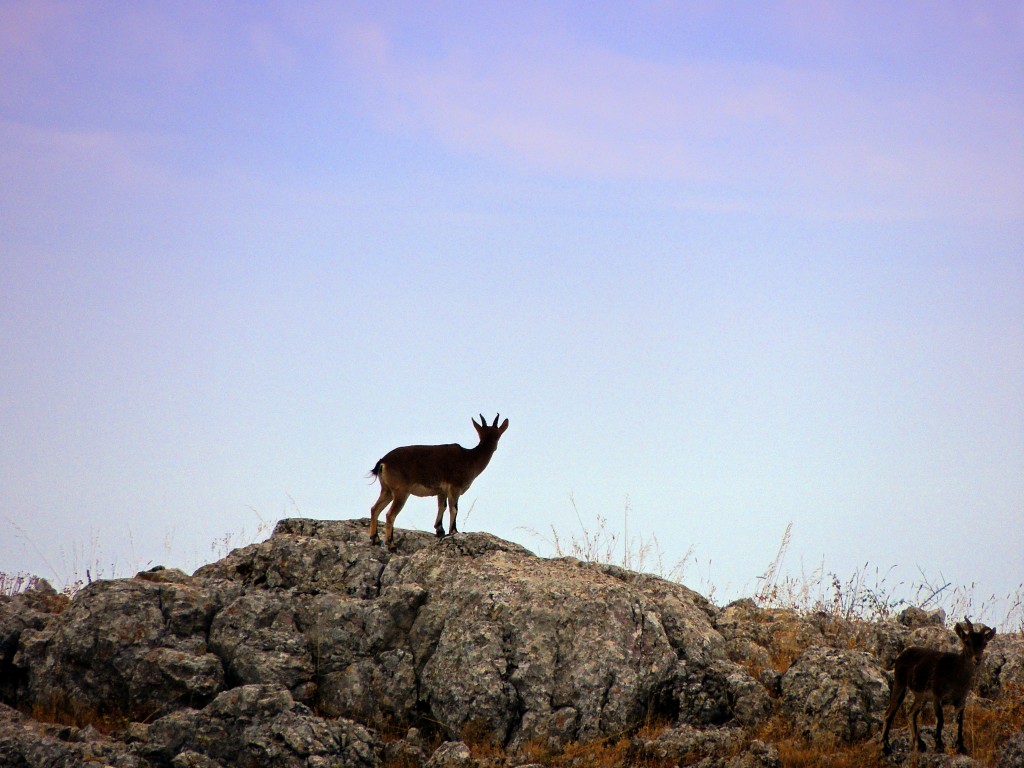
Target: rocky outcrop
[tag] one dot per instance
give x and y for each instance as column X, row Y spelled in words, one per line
column 472, row 631
column 306, row 648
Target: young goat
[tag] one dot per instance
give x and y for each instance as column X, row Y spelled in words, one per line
column 938, row 677
column 445, row 471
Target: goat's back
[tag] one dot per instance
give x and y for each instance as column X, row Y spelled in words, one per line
column 425, row 464
column 915, row 666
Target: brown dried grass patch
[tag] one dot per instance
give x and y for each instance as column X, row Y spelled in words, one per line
column 79, row 715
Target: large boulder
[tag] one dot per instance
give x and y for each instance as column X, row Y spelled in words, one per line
column 27, row 743
column 257, row 726
column 473, row 632
column 842, row 693
column 1002, row 666
column 127, row 647
column 295, row 650
column 30, row 609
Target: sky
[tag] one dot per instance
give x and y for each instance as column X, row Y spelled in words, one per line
column 725, row 267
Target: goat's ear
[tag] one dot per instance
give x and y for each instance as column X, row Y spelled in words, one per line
column 990, row 634
column 504, row 426
column 477, row 427
column 959, row 629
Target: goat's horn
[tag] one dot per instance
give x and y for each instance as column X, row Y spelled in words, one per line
column 970, row 627
column 496, row 417
column 483, row 421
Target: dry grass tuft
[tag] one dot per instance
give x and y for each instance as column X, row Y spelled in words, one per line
column 988, row 725
column 79, row 715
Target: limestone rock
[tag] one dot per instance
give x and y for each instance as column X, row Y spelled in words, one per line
column 708, row 748
column 290, row 652
column 259, row 726
column 1012, row 754
column 127, row 645
column 840, row 692
column 451, row 754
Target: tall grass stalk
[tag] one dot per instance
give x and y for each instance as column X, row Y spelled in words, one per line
column 600, row 543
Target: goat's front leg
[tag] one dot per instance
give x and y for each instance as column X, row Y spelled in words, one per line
column 442, row 502
column 453, row 512
column 960, row 731
column 939, row 746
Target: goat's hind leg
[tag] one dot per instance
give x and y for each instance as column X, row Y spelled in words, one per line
column 378, row 505
column 389, row 526
column 915, row 710
column 939, row 746
column 899, row 691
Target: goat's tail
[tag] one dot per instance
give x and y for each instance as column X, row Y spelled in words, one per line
column 375, row 472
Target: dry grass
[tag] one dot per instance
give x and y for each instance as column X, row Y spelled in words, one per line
column 868, row 594
column 603, row 544
column 987, row 726
column 79, row 715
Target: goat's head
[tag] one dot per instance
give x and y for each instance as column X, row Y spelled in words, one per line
column 974, row 639
column 490, row 433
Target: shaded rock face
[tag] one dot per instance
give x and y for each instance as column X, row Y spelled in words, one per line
column 291, row 651
column 1012, row 754
column 29, row 610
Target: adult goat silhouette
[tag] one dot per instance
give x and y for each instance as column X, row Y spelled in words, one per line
column 445, row 471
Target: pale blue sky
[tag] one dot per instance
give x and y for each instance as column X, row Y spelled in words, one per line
column 739, row 264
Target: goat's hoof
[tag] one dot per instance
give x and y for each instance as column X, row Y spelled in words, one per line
column 439, row 532
column 886, row 749
column 392, row 547
column 375, row 540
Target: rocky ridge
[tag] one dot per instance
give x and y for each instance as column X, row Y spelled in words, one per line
column 315, row 648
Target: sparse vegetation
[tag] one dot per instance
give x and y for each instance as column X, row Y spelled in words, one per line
column 84, row 564
column 603, row 544
column 870, row 595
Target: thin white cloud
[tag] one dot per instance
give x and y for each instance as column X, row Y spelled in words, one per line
column 824, row 142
